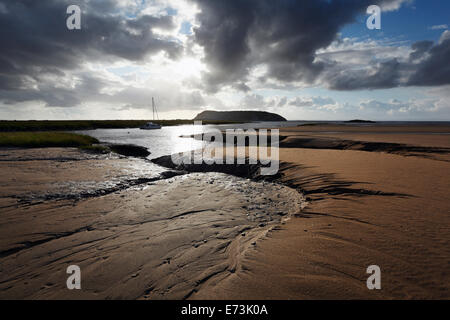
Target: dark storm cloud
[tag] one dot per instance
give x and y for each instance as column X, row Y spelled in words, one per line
column 427, row 66
column 384, row 75
column 435, row 69
column 40, row 58
column 35, row 40
column 284, row 35
column 419, row 49
column 86, row 87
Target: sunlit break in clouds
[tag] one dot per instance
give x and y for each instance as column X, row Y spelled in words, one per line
column 301, row 59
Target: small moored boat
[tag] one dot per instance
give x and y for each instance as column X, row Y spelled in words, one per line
column 151, row 125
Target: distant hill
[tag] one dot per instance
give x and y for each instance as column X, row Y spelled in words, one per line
column 360, row 121
column 245, row 116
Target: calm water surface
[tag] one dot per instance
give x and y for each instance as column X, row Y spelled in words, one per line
column 167, row 140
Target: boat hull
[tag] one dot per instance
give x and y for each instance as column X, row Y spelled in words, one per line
column 150, row 128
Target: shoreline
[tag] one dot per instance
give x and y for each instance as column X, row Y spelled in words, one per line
column 134, row 242
column 364, row 206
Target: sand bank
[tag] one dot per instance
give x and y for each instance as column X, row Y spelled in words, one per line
column 367, row 207
column 135, row 231
column 371, row 198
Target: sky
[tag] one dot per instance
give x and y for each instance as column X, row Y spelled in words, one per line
column 302, row 59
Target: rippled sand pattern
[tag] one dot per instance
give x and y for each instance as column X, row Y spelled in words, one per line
column 154, row 240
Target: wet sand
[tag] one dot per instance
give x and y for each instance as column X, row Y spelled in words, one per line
column 364, row 208
column 347, row 197
column 134, row 236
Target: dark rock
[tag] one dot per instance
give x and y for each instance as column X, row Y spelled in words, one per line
column 360, row 121
column 170, row 174
column 246, row 170
column 130, row 150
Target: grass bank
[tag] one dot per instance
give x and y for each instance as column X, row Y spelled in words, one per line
column 45, row 140
column 69, row 125
column 49, row 139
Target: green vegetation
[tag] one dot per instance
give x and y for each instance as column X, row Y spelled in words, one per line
column 67, row 139
column 70, row 125
column 45, row 140
column 243, row 116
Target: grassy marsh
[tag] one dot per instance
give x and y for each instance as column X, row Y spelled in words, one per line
column 70, row 125
column 45, row 140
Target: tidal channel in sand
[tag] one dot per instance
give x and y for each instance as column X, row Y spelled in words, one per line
column 135, row 232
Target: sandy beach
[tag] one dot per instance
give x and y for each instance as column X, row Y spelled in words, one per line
column 388, row 207
column 134, row 236
column 347, row 197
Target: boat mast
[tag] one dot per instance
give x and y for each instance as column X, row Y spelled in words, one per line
column 153, row 108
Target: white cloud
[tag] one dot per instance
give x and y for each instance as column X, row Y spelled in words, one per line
column 439, row 27
column 444, row 36
column 394, row 5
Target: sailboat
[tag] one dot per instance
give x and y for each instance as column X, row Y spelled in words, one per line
column 151, row 125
